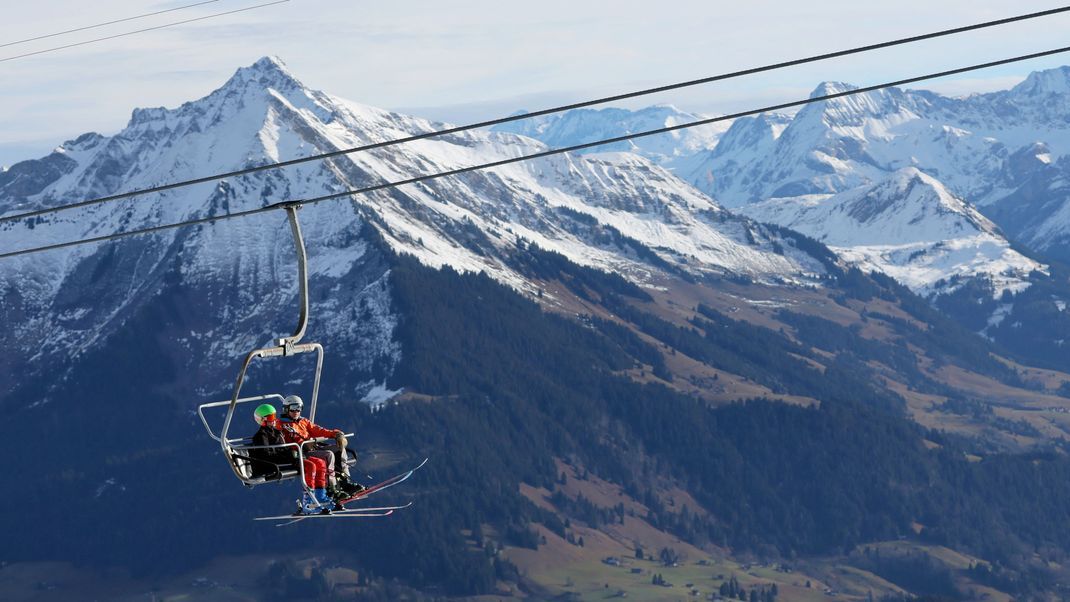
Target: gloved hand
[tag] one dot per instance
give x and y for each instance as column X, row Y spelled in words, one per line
column 340, row 437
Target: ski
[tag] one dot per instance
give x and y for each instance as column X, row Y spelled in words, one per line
column 297, row 519
column 346, row 512
column 352, row 515
column 394, row 480
column 380, row 509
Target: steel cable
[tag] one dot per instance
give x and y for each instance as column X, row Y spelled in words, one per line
column 547, row 153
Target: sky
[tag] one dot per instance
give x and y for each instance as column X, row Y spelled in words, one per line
column 470, row 60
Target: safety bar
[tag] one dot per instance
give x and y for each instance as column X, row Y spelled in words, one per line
column 306, row 442
column 201, row 408
column 299, row 447
column 274, row 352
column 215, row 404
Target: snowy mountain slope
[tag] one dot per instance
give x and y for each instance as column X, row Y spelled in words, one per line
column 997, row 150
column 908, row 226
column 834, row 145
column 755, row 139
column 593, row 209
column 877, row 140
column 1037, row 213
column 587, row 125
column 244, row 270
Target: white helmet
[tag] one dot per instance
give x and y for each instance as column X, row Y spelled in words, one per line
column 292, row 402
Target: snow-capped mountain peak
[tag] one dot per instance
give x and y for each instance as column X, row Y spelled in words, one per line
column 831, row 87
column 908, row 225
column 1044, row 83
column 588, row 125
column 268, row 73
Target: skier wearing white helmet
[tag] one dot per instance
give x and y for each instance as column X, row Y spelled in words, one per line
column 297, row 429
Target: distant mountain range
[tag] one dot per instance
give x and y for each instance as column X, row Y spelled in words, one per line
column 1002, row 151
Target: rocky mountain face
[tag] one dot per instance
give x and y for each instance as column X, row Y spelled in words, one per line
column 1036, row 213
column 616, row 211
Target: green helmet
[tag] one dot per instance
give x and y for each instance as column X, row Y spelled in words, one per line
column 263, row 411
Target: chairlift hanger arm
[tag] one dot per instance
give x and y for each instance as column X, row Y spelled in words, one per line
column 302, row 278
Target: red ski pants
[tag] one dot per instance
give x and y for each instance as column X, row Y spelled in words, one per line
column 315, row 473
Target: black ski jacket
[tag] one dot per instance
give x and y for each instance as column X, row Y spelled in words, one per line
column 283, row 456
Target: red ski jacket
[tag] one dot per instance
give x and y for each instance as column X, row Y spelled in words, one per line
column 303, row 429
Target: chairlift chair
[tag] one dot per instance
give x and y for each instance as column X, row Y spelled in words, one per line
column 253, row 471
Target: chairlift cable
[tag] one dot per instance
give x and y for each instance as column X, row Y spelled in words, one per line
column 310, row 201
column 540, row 113
column 136, row 31
column 105, row 24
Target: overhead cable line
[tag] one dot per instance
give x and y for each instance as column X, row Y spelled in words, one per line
column 137, row 31
column 540, row 113
column 105, row 24
column 539, row 155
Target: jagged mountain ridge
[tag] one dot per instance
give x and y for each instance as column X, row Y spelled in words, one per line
column 836, row 145
column 1001, row 151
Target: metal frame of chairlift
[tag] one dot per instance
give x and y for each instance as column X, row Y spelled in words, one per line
column 235, row 449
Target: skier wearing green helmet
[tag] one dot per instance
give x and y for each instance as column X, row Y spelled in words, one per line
column 264, row 448
column 263, row 411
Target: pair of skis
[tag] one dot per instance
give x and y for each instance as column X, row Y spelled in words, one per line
column 355, row 512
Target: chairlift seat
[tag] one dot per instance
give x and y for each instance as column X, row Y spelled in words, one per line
column 245, row 466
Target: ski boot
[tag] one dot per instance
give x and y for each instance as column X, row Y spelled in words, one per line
column 338, row 496
column 311, row 504
column 351, row 488
column 305, row 504
column 325, row 503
